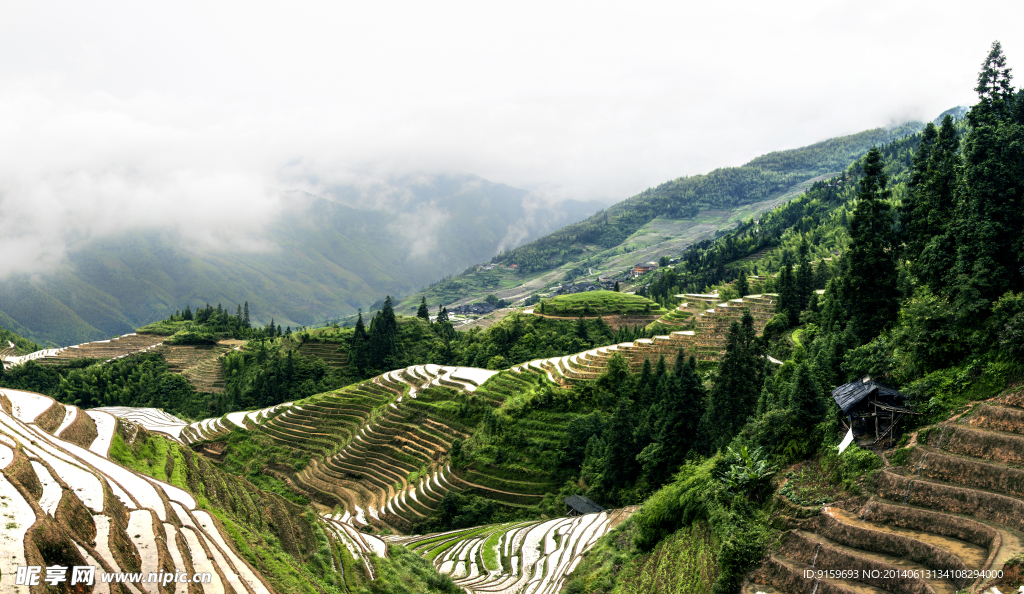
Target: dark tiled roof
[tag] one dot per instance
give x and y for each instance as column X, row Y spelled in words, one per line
column 582, row 504
column 848, row 395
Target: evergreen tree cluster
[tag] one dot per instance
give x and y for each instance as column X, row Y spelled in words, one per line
column 142, row 380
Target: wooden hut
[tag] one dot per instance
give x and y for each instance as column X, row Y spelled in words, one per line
column 578, row 505
column 870, row 408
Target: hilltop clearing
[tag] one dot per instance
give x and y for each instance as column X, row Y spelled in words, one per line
column 599, row 303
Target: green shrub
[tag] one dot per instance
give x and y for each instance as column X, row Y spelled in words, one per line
column 922, row 435
column 776, row 326
column 192, row 338
column 854, row 463
column 899, row 457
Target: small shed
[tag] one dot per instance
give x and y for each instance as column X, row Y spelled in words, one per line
column 578, row 505
column 869, row 405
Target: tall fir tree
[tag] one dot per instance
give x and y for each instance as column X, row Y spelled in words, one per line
column 423, row 313
column 913, row 214
column 989, row 227
column 932, row 253
column 384, row 343
column 733, row 398
column 620, row 450
column 359, row 346
column 679, row 414
column 804, row 278
column 788, row 302
column 805, row 398
column 873, row 298
column 246, row 323
column 742, row 286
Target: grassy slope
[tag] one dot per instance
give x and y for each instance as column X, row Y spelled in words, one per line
column 596, row 303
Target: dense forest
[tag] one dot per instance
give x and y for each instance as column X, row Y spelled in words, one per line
column 927, row 296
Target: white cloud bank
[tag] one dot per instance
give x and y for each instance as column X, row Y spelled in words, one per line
column 192, row 116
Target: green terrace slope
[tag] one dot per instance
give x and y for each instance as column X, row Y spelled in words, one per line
column 387, row 450
column 392, row 473
column 532, row 556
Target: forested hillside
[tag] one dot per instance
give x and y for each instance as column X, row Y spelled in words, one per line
column 684, row 197
column 928, row 297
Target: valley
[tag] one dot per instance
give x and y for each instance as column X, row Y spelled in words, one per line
column 816, row 387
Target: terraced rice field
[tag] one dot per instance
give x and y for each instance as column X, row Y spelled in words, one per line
column 956, row 507
column 600, row 303
column 379, row 449
column 329, row 352
column 523, row 557
column 115, row 348
column 200, row 364
column 707, row 321
column 125, row 509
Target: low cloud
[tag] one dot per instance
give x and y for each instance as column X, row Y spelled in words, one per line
column 420, row 228
column 200, row 121
column 73, row 172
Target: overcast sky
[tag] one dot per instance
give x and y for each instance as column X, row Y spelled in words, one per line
column 129, row 113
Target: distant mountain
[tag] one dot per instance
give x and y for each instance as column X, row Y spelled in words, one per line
column 766, row 177
column 957, row 112
column 325, row 257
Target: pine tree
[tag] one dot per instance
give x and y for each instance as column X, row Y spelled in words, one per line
column 359, row 344
column 620, row 451
column 737, row 387
column 806, row 398
column 742, row 286
column 804, row 278
column 928, row 213
column 788, row 302
column 680, row 413
column 913, row 213
column 384, row 344
column 188, row 313
column 245, row 316
column 873, row 300
column 995, row 93
column 989, row 229
column 616, row 287
column 645, row 385
column 423, row 312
